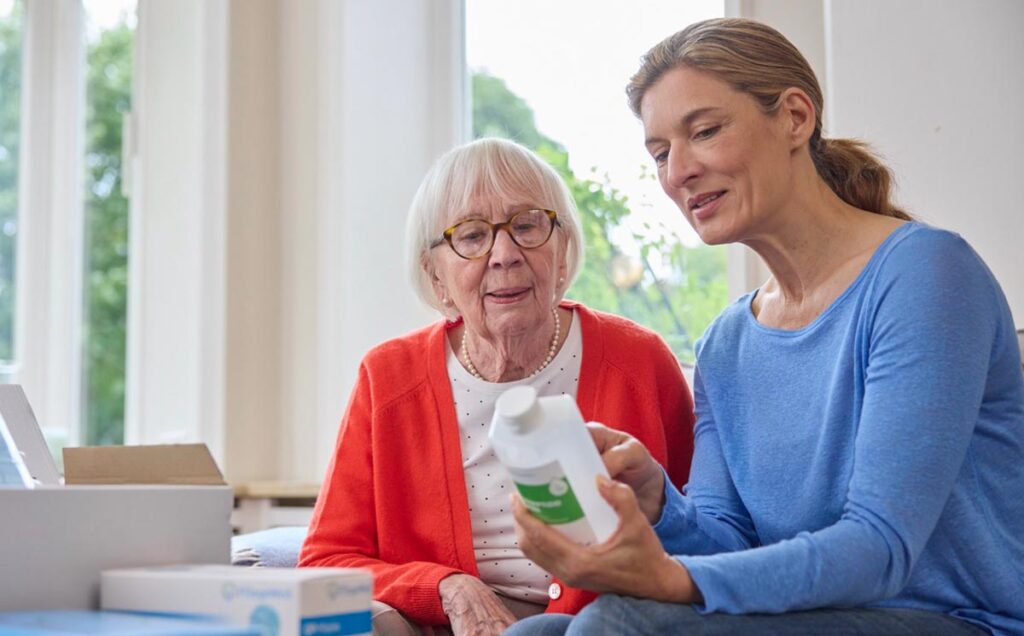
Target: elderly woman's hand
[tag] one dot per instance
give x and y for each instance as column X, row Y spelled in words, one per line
column 472, row 607
column 628, row 461
column 631, row 562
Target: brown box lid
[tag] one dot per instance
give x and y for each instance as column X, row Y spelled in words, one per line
column 181, row 464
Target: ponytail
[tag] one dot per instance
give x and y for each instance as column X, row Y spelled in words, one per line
column 856, row 175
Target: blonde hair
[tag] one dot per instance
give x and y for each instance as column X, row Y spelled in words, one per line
column 757, row 60
column 492, row 168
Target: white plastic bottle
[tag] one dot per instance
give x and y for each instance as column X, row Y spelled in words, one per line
column 545, row 446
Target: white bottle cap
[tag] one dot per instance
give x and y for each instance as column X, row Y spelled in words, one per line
column 519, row 409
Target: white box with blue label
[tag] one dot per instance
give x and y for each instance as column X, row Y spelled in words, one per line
column 280, row 601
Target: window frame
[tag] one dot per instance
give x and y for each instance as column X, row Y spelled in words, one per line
column 48, row 299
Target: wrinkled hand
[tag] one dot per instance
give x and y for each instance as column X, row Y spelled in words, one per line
column 630, row 562
column 472, row 607
column 628, row 461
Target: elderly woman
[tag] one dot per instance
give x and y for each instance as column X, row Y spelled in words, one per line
column 859, row 457
column 414, row 492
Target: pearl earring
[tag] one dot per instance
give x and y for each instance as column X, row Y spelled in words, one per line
column 559, row 288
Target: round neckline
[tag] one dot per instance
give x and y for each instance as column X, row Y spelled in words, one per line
column 833, row 306
column 498, row 387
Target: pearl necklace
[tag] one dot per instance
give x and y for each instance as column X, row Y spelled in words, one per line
column 547, row 360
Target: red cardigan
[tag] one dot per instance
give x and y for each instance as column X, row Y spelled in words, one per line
column 394, row 499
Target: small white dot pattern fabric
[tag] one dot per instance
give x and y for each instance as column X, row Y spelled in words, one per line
column 488, row 485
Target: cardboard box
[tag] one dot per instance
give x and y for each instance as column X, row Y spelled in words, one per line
column 179, row 464
column 56, row 540
column 282, row 601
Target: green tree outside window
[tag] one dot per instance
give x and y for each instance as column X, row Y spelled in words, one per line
column 108, row 96
column 678, row 304
column 10, row 106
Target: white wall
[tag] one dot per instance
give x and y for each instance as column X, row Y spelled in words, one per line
column 302, row 65
column 253, row 249
column 50, row 228
column 167, row 257
column 268, row 257
column 277, row 157
column 389, row 92
column 803, row 22
column 937, row 88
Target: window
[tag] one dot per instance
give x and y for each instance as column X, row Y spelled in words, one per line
column 552, row 76
column 65, row 82
column 109, row 35
column 10, row 106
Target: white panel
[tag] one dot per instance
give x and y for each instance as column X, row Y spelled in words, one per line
column 803, row 24
column 300, row 136
column 167, row 227
column 286, row 240
column 937, row 88
column 394, row 100
column 252, row 397
column 49, row 265
column 63, row 537
column 801, row 21
column 212, row 340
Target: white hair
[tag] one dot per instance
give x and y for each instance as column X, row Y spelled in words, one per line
column 495, row 168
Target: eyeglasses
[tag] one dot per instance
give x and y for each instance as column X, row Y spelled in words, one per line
column 474, row 238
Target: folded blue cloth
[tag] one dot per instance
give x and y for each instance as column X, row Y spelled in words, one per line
column 274, row 548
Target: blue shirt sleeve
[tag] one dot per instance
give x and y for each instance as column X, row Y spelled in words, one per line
column 933, row 317
column 711, row 517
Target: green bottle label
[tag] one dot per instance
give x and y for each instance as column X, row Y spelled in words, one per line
column 552, row 499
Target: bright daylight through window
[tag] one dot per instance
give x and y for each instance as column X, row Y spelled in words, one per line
column 10, row 105
column 552, row 75
column 109, row 38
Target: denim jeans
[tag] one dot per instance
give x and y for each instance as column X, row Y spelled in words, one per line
column 621, row 616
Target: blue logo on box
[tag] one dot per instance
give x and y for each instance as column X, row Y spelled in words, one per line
column 338, row 590
column 337, row 624
column 231, row 591
column 265, row 619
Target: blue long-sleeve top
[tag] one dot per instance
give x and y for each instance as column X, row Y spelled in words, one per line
column 874, row 457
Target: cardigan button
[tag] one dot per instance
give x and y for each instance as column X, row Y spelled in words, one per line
column 555, row 591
